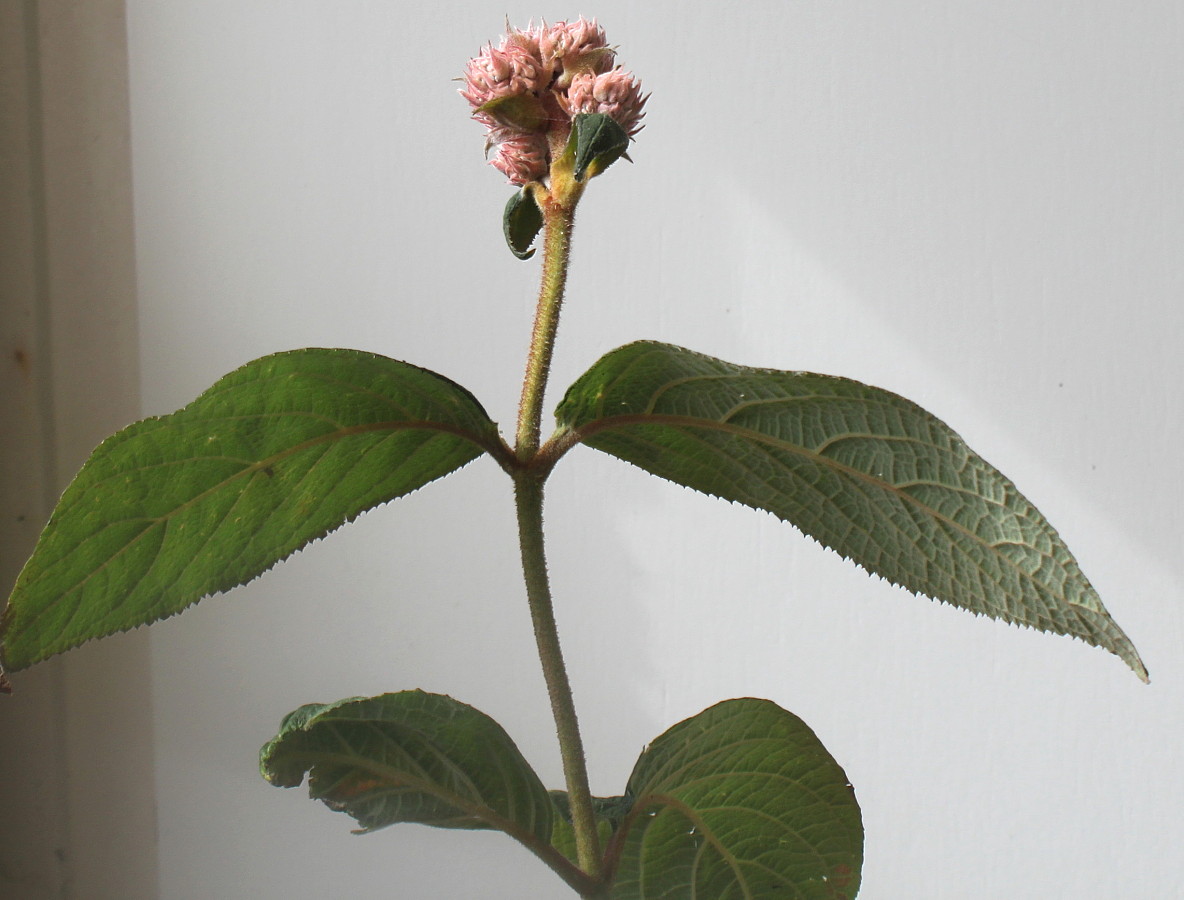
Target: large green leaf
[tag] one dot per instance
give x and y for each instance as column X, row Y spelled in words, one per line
column 741, row 802
column 410, row 757
column 416, row 757
column 275, row 455
column 860, row 469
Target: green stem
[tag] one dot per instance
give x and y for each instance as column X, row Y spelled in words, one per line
column 528, row 494
column 558, row 219
column 558, row 206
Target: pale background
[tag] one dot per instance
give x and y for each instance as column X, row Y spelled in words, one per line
column 974, row 204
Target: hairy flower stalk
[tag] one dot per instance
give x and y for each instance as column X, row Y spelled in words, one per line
column 527, row 92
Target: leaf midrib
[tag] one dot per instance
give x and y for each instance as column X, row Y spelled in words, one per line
column 248, row 470
column 693, row 423
column 692, row 816
column 541, row 848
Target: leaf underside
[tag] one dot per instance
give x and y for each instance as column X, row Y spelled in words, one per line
column 864, row 471
column 741, row 802
column 410, row 757
column 274, row 455
column 522, row 220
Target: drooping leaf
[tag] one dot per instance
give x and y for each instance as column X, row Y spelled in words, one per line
column 521, row 223
column 862, row 470
column 276, row 454
column 740, row 801
column 410, row 757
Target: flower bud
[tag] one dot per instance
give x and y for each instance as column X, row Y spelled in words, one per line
column 522, row 158
column 567, row 49
column 616, row 94
column 509, row 71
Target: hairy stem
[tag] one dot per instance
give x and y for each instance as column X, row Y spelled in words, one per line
column 558, row 219
column 558, row 206
column 528, row 493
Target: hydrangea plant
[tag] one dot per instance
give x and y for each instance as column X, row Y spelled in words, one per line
column 741, row 800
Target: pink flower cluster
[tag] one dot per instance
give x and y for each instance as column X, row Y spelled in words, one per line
column 526, row 91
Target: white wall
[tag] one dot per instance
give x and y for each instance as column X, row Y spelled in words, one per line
column 76, row 800
column 974, row 204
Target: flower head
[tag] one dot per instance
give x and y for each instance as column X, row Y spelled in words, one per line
column 616, row 94
column 569, row 48
column 522, row 158
column 526, row 90
column 495, row 74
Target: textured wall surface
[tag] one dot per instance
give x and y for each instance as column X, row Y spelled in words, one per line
column 976, row 205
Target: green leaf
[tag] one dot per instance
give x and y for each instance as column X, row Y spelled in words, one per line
column 276, row 454
column 740, row 801
column 521, row 223
column 599, row 142
column 410, row 757
column 862, row 470
column 519, row 112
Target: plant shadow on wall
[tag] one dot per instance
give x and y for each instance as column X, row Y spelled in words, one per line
column 741, row 800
